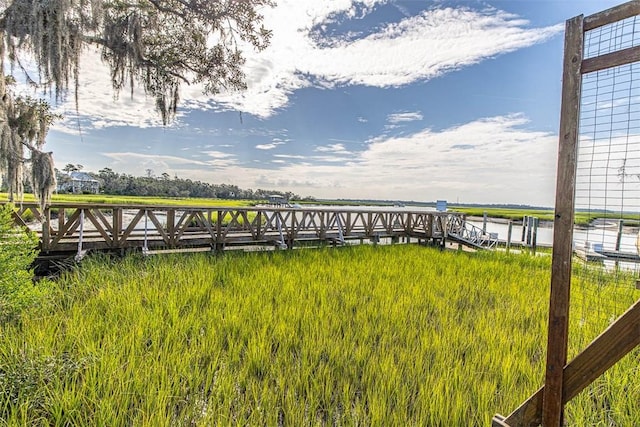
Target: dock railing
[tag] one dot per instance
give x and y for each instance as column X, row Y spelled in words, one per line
column 71, row 227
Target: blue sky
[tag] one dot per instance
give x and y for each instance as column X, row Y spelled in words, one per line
column 397, row 100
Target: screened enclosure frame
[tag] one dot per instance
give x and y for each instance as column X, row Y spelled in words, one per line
column 563, row 379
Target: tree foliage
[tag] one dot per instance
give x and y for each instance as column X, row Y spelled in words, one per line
column 123, row 184
column 24, row 123
column 156, row 44
column 159, row 44
column 17, row 252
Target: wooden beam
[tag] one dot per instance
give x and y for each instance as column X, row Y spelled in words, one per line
column 557, row 337
column 171, row 226
column 46, row 230
column 498, row 421
column 68, row 227
column 117, row 226
column 614, row 14
column 615, row 342
column 610, row 60
column 17, row 219
column 132, row 225
column 607, row 349
column 99, row 226
column 165, row 237
column 98, row 214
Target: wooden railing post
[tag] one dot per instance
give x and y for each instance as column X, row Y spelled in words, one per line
column 171, row 226
column 46, row 229
column 219, row 241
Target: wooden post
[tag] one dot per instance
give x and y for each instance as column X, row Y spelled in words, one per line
column 525, row 219
column 171, row 226
column 292, row 231
column 534, row 235
column 116, row 224
column 62, row 219
column 484, row 222
column 509, row 231
column 259, row 225
column 219, row 241
column 619, row 236
column 553, row 407
column 46, row 228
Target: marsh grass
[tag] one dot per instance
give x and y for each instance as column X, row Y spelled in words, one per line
column 401, row 335
column 582, row 218
column 137, row 200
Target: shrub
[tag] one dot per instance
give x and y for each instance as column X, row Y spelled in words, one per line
column 17, row 253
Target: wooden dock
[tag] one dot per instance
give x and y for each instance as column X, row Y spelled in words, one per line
column 73, row 228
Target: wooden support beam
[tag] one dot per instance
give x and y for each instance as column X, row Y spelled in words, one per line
column 98, row 225
column 159, row 228
column 117, row 226
column 614, row 14
column 606, row 350
column 46, row 230
column 610, row 60
column 68, row 227
column 563, row 225
column 171, row 226
column 132, row 225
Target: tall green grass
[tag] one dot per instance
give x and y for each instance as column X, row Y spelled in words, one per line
column 581, row 217
column 400, row 335
column 138, row 200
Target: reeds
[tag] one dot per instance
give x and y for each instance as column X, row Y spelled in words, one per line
column 400, row 335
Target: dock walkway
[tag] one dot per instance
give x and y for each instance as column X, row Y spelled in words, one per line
column 68, row 228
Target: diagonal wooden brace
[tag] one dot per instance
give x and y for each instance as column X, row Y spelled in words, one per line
column 609, row 347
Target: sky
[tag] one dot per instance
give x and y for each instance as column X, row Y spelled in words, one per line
column 377, row 99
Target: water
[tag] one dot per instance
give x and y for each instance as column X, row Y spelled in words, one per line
column 604, row 234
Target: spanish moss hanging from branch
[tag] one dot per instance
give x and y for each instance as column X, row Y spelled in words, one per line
column 24, row 126
column 158, row 45
column 42, row 177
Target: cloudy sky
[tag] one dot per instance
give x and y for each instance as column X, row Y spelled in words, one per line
column 378, row 99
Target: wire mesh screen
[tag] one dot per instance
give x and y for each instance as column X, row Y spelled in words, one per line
column 608, row 177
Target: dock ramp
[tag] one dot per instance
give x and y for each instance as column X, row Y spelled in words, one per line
column 461, row 231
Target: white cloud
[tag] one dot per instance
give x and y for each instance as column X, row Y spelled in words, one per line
column 269, row 146
column 416, row 48
column 404, row 117
column 491, row 160
column 332, row 148
column 289, row 156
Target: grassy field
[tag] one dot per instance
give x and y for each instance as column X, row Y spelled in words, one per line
column 581, row 218
column 137, row 200
column 383, row 336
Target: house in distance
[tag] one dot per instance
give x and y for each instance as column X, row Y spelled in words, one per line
column 78, row 183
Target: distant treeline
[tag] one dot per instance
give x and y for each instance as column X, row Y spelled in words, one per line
column 112, row 182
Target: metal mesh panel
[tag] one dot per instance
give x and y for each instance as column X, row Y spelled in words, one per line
column 608, row 172
column 611, row 38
